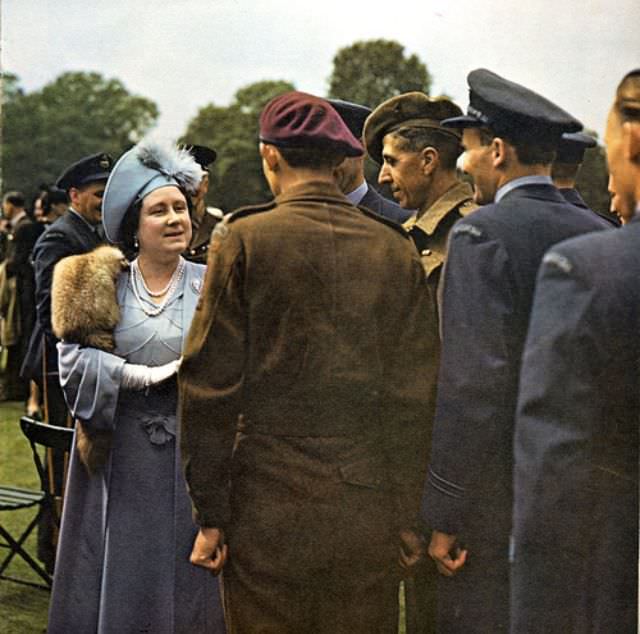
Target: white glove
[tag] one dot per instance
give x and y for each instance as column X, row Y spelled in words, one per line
column 139, row 377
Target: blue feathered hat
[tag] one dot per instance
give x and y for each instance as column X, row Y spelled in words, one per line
column 144, row 168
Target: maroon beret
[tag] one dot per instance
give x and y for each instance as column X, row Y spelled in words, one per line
column 299, row 120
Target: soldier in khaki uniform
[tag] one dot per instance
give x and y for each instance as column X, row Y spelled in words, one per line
column 307, row 391
column 203, row 218
column 418, row 160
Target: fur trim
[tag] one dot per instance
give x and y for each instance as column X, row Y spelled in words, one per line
column 84, row 310
column 171, row 161
column 84, row 306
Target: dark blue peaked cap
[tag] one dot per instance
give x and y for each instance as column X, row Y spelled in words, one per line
column 511, row 109
column 353, row 114
column 572, row 147
column 90, row 169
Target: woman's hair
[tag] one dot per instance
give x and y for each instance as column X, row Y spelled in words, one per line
column 131, row 222
column 627, row 103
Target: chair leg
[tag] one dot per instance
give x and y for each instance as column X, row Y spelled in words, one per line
column 17, row 549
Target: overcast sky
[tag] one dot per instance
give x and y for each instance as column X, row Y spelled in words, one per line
column 184, row 54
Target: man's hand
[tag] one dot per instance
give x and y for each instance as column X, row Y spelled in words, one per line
column 209, row 550
column 449, row 557
column 412, row 549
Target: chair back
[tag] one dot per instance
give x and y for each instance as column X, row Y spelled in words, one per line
column 42, row 434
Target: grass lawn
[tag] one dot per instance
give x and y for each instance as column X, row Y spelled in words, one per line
column 23, row 609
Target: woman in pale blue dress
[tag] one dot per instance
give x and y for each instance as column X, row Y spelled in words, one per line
column 126, row 536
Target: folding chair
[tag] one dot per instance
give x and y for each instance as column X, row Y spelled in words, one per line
column 14, row 498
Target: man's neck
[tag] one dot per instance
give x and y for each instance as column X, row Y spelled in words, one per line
column 442, row 183
column 518, row 170
column 294, row 177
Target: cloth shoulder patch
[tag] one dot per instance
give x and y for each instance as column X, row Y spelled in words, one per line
column 465, row 228
column 558, row 261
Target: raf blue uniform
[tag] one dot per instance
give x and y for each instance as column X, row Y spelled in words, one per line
column 493, row 258
column 69, row 235
column 576, row 442
column 489, row 282
column 380, row 205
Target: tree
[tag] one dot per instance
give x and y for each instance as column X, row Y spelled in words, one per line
column 75, row 115
column 369, row 72
column 236, row 176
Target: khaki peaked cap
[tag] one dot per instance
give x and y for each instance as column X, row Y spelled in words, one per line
column 412, row 109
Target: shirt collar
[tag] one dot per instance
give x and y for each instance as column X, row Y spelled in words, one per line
column 521, row 182
column 358, row 193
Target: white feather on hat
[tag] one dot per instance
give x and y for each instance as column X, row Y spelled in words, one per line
column 174, row 162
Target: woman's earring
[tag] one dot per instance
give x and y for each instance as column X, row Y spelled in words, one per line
column 135, row 242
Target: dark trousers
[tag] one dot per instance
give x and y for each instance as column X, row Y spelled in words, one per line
column 476, row 599
column 420, row 599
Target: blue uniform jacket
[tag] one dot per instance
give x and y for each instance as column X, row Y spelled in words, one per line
column 576, row 442
column 380, row 205
column 69, row 235
column 493, row 258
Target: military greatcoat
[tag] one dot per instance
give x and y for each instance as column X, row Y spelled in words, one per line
column 576, row 442
column 307, row 391
column 492, row 262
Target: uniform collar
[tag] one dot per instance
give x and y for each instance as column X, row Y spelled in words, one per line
column 358, row 193
column 93, row 228
column 431, row 218
column 312, row 190
column 521, row 182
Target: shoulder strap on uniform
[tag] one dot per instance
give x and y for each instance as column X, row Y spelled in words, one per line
column 390, row 223
column 248, row 210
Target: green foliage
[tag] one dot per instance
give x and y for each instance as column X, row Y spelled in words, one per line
column 369, row 72
column 75, row 115
column 236, row 176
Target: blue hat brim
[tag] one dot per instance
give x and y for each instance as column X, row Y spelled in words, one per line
column 465, row 121
column 129, row 180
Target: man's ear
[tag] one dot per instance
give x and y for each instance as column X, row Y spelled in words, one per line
column 499, row 152
column 271, row 156
column 430, row 160
column 631, row 140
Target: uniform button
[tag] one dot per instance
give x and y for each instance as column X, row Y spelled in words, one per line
column 426, row 252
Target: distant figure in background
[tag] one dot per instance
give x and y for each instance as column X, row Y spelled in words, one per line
column 350, row 173
column 48, row 207
column 77, row 231
column 565, row 168
column 23, row 233
column 203, row 218
column 54, row 203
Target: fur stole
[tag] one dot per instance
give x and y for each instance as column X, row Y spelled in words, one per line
column 84, row 310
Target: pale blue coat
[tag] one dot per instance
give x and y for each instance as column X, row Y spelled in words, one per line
column 123, row 556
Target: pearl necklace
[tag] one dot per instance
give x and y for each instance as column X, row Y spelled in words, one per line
column 168, row 292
